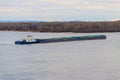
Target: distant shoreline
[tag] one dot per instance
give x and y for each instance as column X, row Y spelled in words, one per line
column 73, row 26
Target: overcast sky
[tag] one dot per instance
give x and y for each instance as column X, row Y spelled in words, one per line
column 60, row 10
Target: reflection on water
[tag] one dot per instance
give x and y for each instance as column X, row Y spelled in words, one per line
column 79, row 60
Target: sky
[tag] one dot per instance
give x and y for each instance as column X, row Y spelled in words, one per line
column 59, row 10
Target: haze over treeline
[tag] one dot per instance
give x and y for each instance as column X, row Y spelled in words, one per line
column 72, row 26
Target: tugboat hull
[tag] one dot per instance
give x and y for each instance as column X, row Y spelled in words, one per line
column 21, row 42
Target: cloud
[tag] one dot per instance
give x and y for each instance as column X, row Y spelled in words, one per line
column 45, row 19
column 115, row 20
column 8, row 9
column 90, row 7
column 61, row 4
column 60, row 9
column 78, row 4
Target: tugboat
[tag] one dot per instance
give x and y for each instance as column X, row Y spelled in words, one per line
column 28, row 40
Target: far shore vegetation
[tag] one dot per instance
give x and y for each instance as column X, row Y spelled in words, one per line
column 72, row 26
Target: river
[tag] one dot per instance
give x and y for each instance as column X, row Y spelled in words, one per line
column 76, row 60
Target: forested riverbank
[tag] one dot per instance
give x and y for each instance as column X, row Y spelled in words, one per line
column 72, row 26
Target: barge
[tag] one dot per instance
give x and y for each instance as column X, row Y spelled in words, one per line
column 30, row 40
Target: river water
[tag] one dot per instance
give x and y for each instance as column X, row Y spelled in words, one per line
column 77, row 60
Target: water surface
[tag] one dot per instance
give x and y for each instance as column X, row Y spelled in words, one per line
column 77, row 60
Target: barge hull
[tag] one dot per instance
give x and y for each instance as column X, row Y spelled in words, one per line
column 77, row 38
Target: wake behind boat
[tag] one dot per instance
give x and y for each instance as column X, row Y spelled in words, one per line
column 30, row 40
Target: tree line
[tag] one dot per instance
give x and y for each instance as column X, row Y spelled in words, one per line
column 72, row 26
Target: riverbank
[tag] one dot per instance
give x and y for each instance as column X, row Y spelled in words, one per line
column 73, row 26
